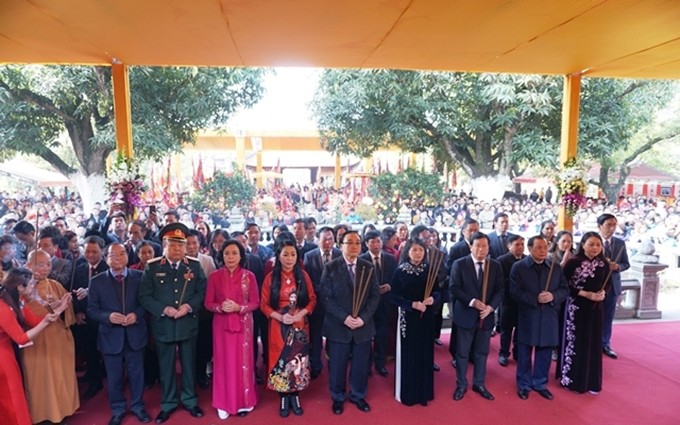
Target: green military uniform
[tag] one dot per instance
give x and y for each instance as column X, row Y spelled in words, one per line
column 163, row 286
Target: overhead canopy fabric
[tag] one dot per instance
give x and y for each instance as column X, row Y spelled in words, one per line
column 614, row 38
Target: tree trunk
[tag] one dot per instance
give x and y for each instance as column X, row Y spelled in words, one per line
column 92, row 189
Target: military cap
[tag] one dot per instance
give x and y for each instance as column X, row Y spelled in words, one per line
column 174, row 232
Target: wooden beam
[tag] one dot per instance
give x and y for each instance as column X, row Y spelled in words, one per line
column 571, row 102
column 258, row 157
column 121, row 108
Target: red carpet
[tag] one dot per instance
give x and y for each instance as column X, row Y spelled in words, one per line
column 641, row 387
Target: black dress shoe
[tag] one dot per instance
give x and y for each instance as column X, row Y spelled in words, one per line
column 481, row 390
column 242, row 414
column 438, row 341
column 454, row 363
column 164, row 415
column 338, row 407
column 195, row 411
column 545, row 393
column 203, row 383
column 142, row 416
column 382, row 371
column 361, row 404
column 609, row 352
column 92, row 391
column 459, row 393
column 523, row 394
column 315, row 374
column 116, row 419
column 503, row 360
column 436, row 367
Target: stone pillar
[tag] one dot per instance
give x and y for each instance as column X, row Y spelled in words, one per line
column 648, row 276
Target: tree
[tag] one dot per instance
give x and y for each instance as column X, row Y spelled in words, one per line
column 391, row 191
column 488, row 124
column 223, row 191
column 619, row 122
column 44, row 106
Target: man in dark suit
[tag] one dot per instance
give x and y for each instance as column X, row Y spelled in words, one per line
column 539, row 289
column 498, row 239
column 85, row 331
column 615, row 250
column 349, row 325
column 300, row 226
column 173, row 290
column 459, row 250
column 498, row 245
column 122, row 336
column 137, row 232
column 477, row 289
column 314, row 261
column 384, row 265
column 508, row 320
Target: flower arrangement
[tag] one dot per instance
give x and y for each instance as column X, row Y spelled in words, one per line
column 126, row 184
column 572, row 186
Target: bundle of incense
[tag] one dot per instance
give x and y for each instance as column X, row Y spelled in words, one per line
column 609, row 274
column 547, row 283
column 359, row 290
column 485, row 285
column 436, row 259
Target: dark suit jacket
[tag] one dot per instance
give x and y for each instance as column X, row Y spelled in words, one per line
column 507, row 261
column 537, row 324
column 496, row 246
column 162, row 287
column 105, row 298
column 313, row 263
column 459, row 250
column 62, row 271
column 306, row 247
column 618, row 246
column 336, row 289
column 81, row 279
column 254, row 264
column 465, row 286
column 388, row 264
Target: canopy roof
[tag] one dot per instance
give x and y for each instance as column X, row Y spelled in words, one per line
column 616, row 38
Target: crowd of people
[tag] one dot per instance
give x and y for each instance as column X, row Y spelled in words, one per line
column 123, row 298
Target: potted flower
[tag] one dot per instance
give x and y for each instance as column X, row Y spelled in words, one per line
column 126, row 185
column 572, row 186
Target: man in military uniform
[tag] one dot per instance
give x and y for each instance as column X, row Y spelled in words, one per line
column 172, row 291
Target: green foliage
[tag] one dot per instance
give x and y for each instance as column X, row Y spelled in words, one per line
column 38, row 104
column 487, row 123
column 224, row 191
column 391, row 191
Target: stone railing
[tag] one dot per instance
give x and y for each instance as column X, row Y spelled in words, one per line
column 640, row 292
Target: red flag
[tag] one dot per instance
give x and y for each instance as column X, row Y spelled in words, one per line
column 200, row 177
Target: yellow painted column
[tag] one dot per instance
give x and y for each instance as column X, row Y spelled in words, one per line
column 338, row 167
column 121, row 108
column 571, row 103
column 258, row 158
column 240, row 152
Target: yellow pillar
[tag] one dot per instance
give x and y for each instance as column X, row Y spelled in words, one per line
column 121, row 108
column 240, row 152
column 338, row 167
column 258, row 158
column 571, row 101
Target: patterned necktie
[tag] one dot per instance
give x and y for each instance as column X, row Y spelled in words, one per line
column 119, row 278
column 607, row 249
column 326, row 257
column 350, row 269
column 480, row 270
column 93, row 271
